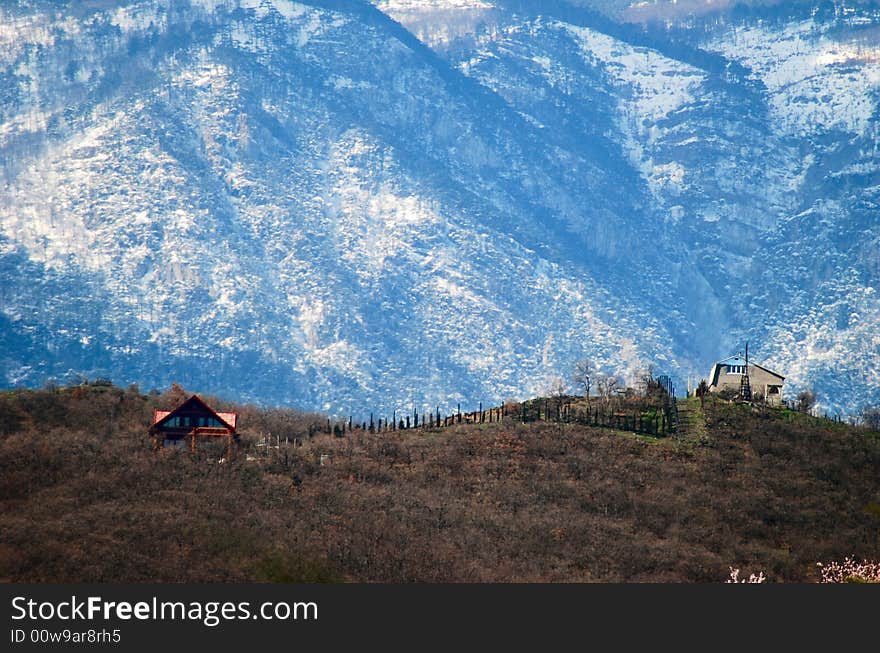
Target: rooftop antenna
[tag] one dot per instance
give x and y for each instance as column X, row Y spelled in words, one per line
column 745, row 389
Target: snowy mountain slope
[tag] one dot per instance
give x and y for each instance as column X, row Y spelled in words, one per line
column 326, row 229
column 734, row 174
column 359, row 207
column 821, row 75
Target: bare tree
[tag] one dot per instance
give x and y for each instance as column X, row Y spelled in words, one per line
column 612, row 385
column 646, row 380
column 584, row 375
column 806, row 399
column 607, row 385
column 173, row 397
column 557, row 387
column 870, row 417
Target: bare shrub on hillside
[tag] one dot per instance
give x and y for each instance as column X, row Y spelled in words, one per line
column 850, row 571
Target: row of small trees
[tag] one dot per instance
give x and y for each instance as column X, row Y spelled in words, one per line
column 590, row 376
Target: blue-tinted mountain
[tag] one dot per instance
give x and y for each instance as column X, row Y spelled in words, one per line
column 353, row 206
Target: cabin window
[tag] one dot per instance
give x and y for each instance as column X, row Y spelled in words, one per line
column 185, row 421
column 774, row 390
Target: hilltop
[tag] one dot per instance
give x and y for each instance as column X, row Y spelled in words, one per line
column 84, row 498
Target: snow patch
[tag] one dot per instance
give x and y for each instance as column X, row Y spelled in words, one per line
column 139, row 18
column 437, row 23
column 656, row 85
column 289, row 9
column 816, row 82
column 651, row 87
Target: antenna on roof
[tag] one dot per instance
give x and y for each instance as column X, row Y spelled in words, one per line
column 745, row 390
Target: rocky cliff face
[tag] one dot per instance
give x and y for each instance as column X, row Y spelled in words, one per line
column 353, row 206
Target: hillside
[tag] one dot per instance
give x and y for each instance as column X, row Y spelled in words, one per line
column 84, row 498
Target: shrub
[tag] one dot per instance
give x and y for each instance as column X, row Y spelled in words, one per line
column 734, row 577
column 806, row 399
column 850, row 571
column 870, row 417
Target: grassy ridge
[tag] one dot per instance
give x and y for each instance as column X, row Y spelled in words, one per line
column 83, row 498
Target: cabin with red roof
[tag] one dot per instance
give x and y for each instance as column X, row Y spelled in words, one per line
column 191, row 420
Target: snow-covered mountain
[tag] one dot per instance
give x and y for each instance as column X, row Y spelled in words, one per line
column 352, row 206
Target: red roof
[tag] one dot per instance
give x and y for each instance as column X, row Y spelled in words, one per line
column 229, row 418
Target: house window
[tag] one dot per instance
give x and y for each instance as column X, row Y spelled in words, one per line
column 734, row 369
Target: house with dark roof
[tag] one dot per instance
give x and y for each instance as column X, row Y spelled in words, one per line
column 727, row 375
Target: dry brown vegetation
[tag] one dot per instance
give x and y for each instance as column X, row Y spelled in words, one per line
column 83, row 498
